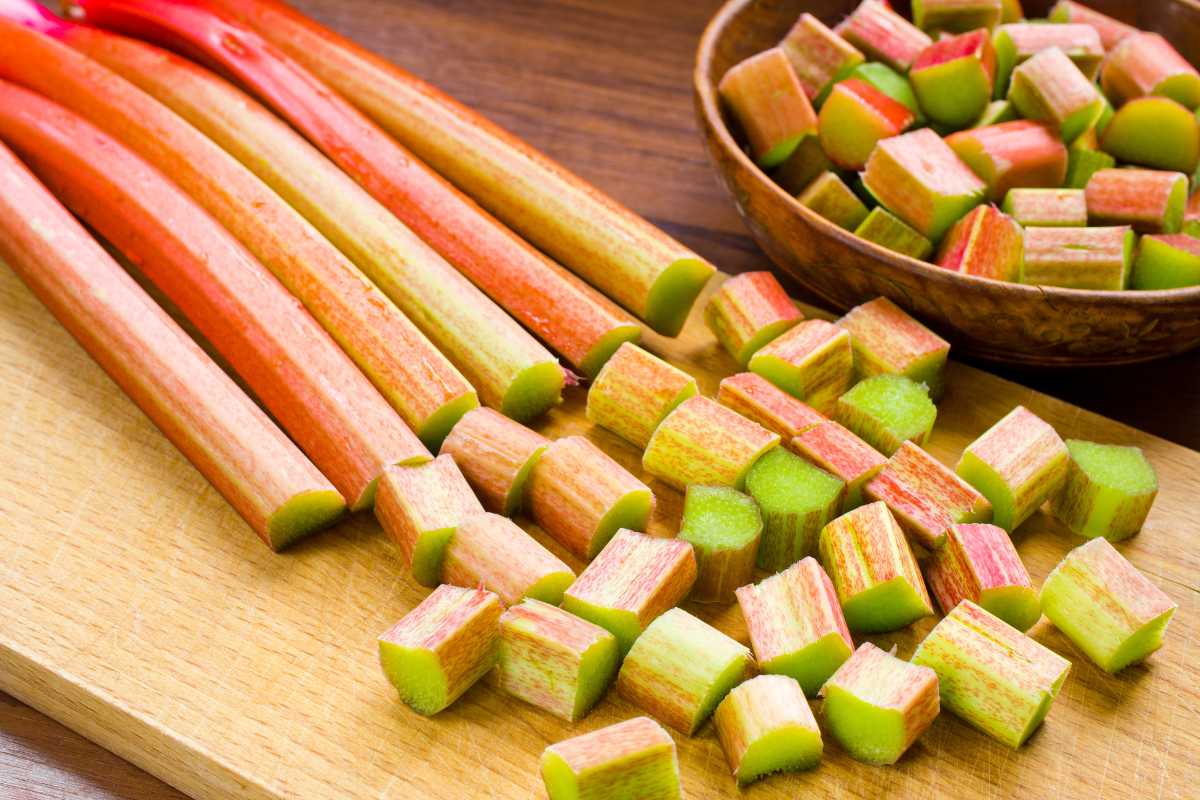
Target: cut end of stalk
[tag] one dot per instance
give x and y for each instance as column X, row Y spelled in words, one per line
column 608, row 344
column 302, row 515
column 674, row 293
column 534, row 391
column 437, row 426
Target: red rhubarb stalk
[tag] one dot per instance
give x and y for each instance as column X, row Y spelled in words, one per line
column 418, row 381
column 309, row 385
column 608, row 245
column 267, row 480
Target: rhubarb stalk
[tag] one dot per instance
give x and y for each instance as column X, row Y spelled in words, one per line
column 759, row 400
column 299, row 373
column 841, row 453
column 267, row 480
column 979, row 563
column 765, row 726
column 748, row 311
column 635, row 758
column 724, row 528
column 497, row 455
column 704, row 442
column 885, row 339
column 634, row 392
column 493, row 552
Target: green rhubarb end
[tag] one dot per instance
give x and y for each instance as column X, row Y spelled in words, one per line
column 1167, row 262
column 597, row 666
column 719, row 518
column 551, row 587
column 991, row 485
column 620, row 623
column 887, row 230
column 428, row 553
column 632, row 511
column 1108, row 491
column 1019, row 606
column 304, row 514
column 885, row 607
column 869, row 733
column 812, row 665
column 1154, row 132
column 515, row 498
column 796, row 500
column 603, row 349
column 437, row 425
column 886, row 410
column 1082, row 164
column 417, row 675
column 534, row 391
column 953, row 93
column 789, row 749
column 673, row 294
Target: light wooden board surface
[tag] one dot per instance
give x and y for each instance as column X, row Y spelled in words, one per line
column 138, row 609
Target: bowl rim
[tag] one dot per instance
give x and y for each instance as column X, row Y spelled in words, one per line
column 710, row 109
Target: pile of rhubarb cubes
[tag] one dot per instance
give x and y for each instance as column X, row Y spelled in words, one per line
column 1054, row 152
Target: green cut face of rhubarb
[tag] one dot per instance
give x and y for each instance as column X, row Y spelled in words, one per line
column 619, row 622
column 660, row 781
column 731, row 675
column 811, row 666
column 302, row 515
column 996, row 112
column 953, row 93
column 534, row 391
column 891, row 83
column 989, row 483
column 516, row 492
column 602, row 350
column 1183, row 88
column 885, row 607
column 1114, row 466
column 869, row 733
column 1154, row 132
column 437, row 426
column 631, row 511
column 1109, row 490
column 1167, row 262
column 885, row 410
column 597, row 667
column 673, row 294
column 550, row 588
column 1019, row 606
column 719, row 518
column 1134, row 649
column 417, row 675
column 427, row 556
column 796, row 500
column 1082, row 164
column 788, row 749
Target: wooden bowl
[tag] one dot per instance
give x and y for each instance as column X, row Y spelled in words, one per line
column 1013, row 323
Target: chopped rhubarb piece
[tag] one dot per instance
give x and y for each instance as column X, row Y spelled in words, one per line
column 1111, row 30
column 633, row 580
column 770, row 104
column 751, row 309
column 635, row 758
column 497, row 455
column 581, row 496
column 986, row 243
column 796, row 625
column 842, row 454
column 893, row 84
column 991, row 675
column 818, row 55
column 757, row 399
column 221, row 431
column 442, row 647
column 704, row 442
column 886, row 340
column 953, row 78
column 805, row 163
column 980, row 564
column 492, row 551
column 1078, row 258
column 1009, row 154
column 680, row 668
column 420, row 507
column 876, row 705
column 1145, row 63
column 1017, row 464
column 304, row 379
column 887, row 230
column 854, row 117
column 874, row 571
column 765, row 726
column 724, row 527
column 883, row 35
column 1109, row 609
column 1018, row 42
column 1047, row 208
column 996, row 112
column 1167, row 262
column 1049, row 88
column 796, row 499
column 956, row 16
column 1083, row 163
column 1154, row 132
column 1152, row 201
column 634, row 392
column 554, row 660
column 829, row 196
column 885, row 410
column 925, row 496
column 1108, row 491
column 919, row 178
column 813, row 361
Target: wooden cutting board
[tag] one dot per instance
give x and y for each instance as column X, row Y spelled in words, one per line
column 139, row 610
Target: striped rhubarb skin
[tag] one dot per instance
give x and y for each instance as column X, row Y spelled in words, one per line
column 508, row 367
column 769, row 103
column 818, row 55
column 1079, row 258
column 492, row 551
column 767, row 713
column 812, row 361
column 748, row 311
column 581, row 496
column 842, row 453
column 925, row 496
column 979, row 563
column 266, row 479
column 634, row 758
column 1047, row 208
column 420, row 507
column 1019, row 153
column 412, row 375
column 292, row 365
column 987, row 243
column 883, row 35
column 1151, row 200
column 634, row 392
column 608, row 245
column 1145, row 63
column 1111, row 30
column 759, row 400
column 704, row 442
column 497, row 455
column 885, row 339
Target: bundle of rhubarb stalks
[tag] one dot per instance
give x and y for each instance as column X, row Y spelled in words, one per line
column 391, row 276
column 1053, row 152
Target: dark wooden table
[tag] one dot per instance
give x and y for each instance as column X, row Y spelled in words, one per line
column 603, row 86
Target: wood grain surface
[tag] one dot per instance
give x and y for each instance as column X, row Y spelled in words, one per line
column 116, row 525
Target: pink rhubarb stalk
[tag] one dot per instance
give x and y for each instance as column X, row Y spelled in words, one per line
column 635, row 758
column 759, row 400
column 1151, row 200
column 979, row 563
column 492, row 551
column 843, row 454
column 1111, row 30
column 233, row 443
column 986, row 243
column 767, row 713
column 748, row 311
column 704, row 442
column 812, row 361
column 818, row 55
column 883, row 35
column 770, row 104
column 634, row 392
column 1145, row 63
column 497, row 455
column 1011, row 154
column 886, row 340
